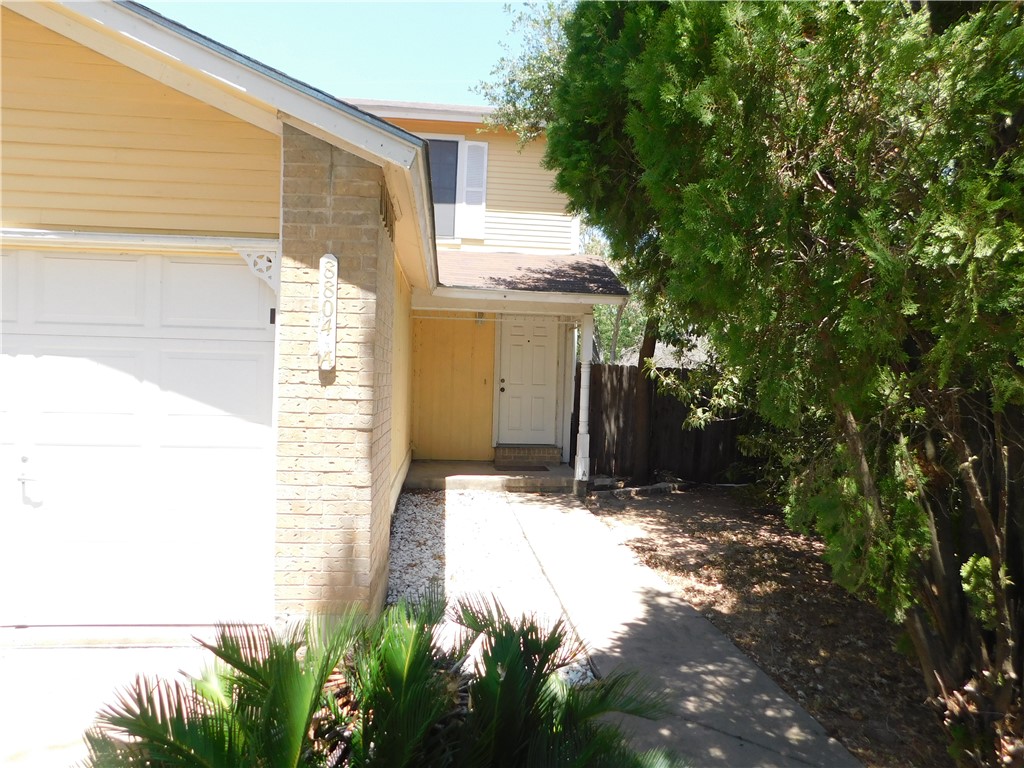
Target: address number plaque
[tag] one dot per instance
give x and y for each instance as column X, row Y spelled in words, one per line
column 327, row 320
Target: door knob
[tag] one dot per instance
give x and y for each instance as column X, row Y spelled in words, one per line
column 502, row 389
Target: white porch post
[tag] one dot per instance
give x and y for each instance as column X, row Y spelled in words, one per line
column 583, row 438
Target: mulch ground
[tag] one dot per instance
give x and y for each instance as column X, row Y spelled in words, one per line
column 768, row 590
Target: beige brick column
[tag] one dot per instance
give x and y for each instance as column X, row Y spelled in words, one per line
column 380, row 438
column 333, row 427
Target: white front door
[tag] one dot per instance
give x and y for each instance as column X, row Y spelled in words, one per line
column 527, row 385
column 136, row 445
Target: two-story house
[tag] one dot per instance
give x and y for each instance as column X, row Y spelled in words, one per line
column 494, row 343
column 235, row 308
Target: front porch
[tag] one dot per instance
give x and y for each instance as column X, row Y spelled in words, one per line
column 483, row 476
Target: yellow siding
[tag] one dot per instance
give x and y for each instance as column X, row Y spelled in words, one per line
column 90, row 144
column 534, row 230
column 453, row 386
column 517, row 181
column 401, row 373
column 523, row 208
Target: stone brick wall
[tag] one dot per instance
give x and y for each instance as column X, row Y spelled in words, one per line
column 380, row 441
column 333, row 427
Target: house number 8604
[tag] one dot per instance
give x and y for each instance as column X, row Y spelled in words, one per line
column 327, row 319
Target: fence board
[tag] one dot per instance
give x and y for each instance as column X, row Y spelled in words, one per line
column 698, row 455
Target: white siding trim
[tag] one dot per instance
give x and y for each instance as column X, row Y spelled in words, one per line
column 100, row 241
column 569, row 379
column 426, row 302
column 495, row 404
column 540, row 297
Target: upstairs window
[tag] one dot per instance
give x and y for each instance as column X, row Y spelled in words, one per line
column 444, row 176
column 458, row 183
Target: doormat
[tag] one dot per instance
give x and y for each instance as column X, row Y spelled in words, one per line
column 520, row 468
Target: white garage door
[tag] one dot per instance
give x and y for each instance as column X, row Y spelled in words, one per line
column 135, row 440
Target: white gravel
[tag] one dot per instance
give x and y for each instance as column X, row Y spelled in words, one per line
column 470, row 543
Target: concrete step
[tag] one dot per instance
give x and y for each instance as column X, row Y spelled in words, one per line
column 513, row 456
column 484, row 476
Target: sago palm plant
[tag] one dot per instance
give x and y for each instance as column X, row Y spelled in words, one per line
column 343, row 692
column 262, row 704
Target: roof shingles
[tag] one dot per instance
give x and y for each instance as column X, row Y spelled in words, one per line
column 562, row 273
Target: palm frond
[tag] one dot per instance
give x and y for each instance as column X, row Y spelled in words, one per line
column 166, row 724
column 402, row 689
column 620, row 693
column 272, row 700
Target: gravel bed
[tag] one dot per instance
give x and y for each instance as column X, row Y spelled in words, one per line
column 470, row 543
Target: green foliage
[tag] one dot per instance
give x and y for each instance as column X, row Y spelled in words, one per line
column 876, row 559
column 522, row 710
column 630, row 320
column 520, row 88
column 591, row 153
column 255, row 707
column 979, row 586
column 630, row 332
column 402, row 688
column 344, row 692
column 832, row 194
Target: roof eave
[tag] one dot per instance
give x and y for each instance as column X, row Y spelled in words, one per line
column 408, row 110
column 553, row 297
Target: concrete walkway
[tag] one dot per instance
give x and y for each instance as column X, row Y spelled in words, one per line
column 725, row 710
column 540, row 553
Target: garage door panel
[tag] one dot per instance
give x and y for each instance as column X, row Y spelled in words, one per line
column 146, row 496
column 108, row 291
column 212, row 294
column 63, row 362
column 85, row 378
column 78, row 396
column 212, row 381
column 200, row 474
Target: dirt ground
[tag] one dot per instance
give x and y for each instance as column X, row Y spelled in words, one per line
column 768, row 590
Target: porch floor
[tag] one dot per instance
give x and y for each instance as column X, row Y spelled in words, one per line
column 482, row 476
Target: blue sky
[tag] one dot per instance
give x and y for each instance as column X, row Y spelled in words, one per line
column 397, row 51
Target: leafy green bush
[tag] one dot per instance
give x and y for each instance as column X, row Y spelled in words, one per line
column 342, row 691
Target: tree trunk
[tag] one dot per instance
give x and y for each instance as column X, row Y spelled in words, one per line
column 614, row 353
column 642, row 406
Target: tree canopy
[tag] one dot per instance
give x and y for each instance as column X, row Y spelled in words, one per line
column 832, row 193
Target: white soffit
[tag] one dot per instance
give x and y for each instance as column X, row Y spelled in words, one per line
column 535, row 302
column 408, row 110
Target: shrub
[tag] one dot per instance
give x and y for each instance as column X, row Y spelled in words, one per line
column 342, row 691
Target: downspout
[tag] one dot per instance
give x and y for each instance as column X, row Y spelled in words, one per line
column 583, row 438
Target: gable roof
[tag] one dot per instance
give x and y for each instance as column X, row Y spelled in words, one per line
column 192, row 63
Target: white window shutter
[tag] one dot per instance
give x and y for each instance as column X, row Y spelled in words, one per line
column 472, row 190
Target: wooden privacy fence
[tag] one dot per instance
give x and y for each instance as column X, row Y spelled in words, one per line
column 698, row 455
